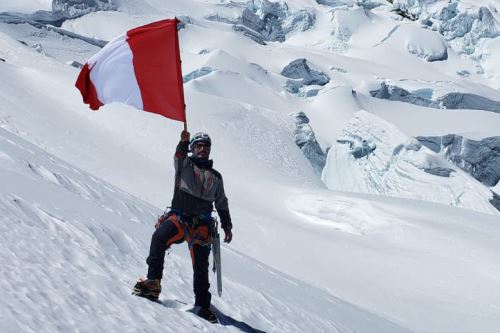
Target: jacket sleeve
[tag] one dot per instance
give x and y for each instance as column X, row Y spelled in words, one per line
column 222, row 206
column 180, row 155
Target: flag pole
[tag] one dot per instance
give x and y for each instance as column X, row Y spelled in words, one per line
column 185, row 121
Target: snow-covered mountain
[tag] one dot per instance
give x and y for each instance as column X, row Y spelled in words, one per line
column 359, row 143
column 374, row 157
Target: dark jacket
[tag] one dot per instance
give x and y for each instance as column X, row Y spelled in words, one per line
column 198, row 186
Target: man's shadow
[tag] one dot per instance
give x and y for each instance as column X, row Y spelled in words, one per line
column 230, row 321
column 223, row 318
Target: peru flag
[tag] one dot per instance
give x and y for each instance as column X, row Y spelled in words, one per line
column 141, row 68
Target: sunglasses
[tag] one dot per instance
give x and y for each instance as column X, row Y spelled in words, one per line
column 201, row 145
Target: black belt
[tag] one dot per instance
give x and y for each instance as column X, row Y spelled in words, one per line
column 193, row 220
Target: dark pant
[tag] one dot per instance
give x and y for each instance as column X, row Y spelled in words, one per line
column 169, row 232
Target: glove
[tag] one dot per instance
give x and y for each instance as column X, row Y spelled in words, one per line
column 228, row 235
column 185, row 136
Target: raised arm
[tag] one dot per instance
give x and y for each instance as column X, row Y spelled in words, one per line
column 181, row 150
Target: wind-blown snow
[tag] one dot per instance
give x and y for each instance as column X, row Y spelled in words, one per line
column 80, row 190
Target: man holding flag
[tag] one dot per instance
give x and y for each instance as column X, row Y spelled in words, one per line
column 142, row 68
column 197, row 187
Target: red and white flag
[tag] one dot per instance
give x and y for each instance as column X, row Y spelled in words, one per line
column 141, row 68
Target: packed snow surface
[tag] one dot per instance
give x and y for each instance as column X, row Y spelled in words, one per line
column 394, row 239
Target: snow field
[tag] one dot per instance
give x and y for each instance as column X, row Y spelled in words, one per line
column 81, row 190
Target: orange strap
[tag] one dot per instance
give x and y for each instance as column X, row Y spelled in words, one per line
column 180, row 230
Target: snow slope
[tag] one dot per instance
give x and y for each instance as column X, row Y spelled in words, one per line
column 304, row 258
column 25, row 6
column 71, row 245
